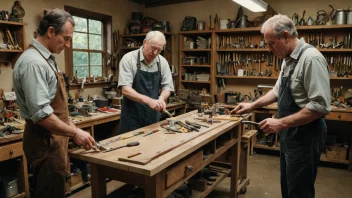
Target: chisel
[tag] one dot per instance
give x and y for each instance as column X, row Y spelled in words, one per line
column 131, row 144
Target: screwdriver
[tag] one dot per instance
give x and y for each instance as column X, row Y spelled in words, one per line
column 131, row 144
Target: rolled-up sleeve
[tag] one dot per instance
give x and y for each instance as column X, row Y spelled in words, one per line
column 317, row 85
column 34, row 82
column 166, row 77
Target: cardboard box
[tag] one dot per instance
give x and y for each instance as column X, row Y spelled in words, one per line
column 336, row 151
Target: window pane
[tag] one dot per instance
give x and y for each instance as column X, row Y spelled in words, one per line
column 80, row 58
column 81, row 71
column 95, row 58
column 96, row 70
column 79, row 41
column 95, row 26
column 81, row 24
column 95, row 42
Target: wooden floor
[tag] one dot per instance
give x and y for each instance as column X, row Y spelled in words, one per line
column 265, row 181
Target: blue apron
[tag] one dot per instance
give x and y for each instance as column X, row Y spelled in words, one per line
column 300, row 147
column 135, row 115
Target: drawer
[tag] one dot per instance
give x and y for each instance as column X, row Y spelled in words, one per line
column 10, row 151
column 341, row 116
column 183, row 168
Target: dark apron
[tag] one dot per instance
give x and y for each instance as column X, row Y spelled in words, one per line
column 47, row 152
column 135, row 115
column 300, row 147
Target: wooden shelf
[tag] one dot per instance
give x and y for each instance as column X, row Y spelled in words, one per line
column 341, row 78
column 196, row 50
column 221, row 176
column 20, row 195
column 196, row 32
column 9, row 50
column 248, row 77
column 193, row 81
column 12, row 23
column 89, row 85
column 244, row 50
column 129, row 48
column 325, row 159
column 195, row 65
column 141, row 34
column 274, row 148
column 234, row 30
column 335, row 50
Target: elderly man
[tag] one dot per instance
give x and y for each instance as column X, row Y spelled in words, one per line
column 303, row 95
column 143, row 73
column 42, row 97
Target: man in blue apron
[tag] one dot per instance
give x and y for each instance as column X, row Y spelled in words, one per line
column 143, row 73
column 42, row 97
column 303, row 95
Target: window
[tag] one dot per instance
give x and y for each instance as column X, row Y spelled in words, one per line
column 87, row 47
column 89, row 43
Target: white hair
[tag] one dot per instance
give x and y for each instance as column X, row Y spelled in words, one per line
column 279, row 24
column 155, row 35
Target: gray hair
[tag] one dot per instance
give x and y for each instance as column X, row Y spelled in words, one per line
column 279, row 24
column 155, row 35
column 55, row 18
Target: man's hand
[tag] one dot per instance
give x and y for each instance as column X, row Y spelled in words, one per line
column 157, row 105
column 272, row 125
column 243, row 107
column 84, row 139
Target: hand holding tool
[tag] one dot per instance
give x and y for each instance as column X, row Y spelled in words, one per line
column 131, row 144
column 168, row 113
column 99, row 147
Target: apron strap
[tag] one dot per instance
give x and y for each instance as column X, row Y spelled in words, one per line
column 44, row 58
column 298, row 57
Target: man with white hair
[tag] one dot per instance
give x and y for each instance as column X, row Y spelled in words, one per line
column 143, row 73
column 303, row 95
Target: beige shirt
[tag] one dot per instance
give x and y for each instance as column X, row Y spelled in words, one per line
column 310, row 81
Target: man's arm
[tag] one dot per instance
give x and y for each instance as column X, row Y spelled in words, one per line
column 302, row 117
column 132, row 94
column 244, row 107
column 53, row 124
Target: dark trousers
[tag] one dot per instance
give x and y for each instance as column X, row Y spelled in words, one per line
column 298, row 166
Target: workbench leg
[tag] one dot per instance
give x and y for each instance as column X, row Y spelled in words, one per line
column 350, row 159
column 98, row 182
column 236, row 153
column 155, row 186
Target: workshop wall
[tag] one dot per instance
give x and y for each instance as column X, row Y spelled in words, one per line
column 227, row 9
column 120, row 10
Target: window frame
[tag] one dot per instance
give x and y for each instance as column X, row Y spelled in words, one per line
column 107, row 33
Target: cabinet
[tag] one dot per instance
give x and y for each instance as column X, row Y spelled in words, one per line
column 17, row 31
column 13, row 163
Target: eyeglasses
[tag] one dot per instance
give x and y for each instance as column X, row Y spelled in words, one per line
column 155, row 48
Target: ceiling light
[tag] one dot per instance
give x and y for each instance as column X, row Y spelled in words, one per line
column 253, row 5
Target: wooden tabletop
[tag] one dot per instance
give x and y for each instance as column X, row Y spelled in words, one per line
column 154, row 144
column 274, row 107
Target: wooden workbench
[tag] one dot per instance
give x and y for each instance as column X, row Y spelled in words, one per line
column 161, row 176
column 336, row 114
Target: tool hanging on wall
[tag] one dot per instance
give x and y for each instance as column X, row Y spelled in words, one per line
column 114, row 56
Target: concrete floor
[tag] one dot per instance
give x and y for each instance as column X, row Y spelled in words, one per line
column 265, row 181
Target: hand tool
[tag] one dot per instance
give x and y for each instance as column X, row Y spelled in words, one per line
column 190, row 128
column 194, row 125
column 170, row 133
column 99, row 147
column 168, row 113
column 250, row 122
column 133, row 155
column 173, row 129
column 134, row 134
column 131, row 144
column 151, row 132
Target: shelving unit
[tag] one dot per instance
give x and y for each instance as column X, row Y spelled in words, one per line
column 11, row 55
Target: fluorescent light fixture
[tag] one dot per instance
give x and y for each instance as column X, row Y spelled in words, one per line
column 253, row 5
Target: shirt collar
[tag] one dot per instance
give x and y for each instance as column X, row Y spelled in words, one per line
column 298, row 49
column 43, row 50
